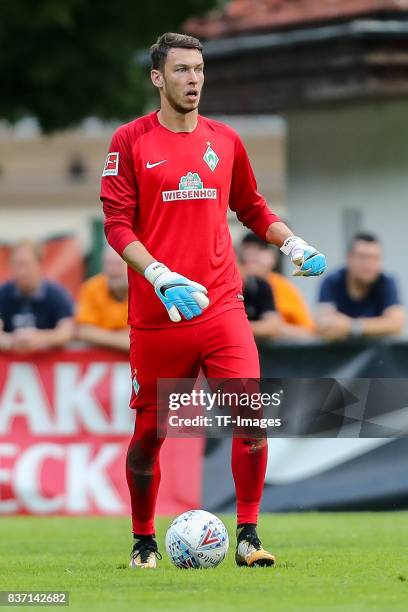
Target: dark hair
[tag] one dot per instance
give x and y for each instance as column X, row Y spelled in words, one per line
column 171, row 40
column 365, row 237
column 251, row 238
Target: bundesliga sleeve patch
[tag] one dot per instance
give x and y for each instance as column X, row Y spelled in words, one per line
column 111, row 167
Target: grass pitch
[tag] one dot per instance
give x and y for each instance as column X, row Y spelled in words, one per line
column 336, row 562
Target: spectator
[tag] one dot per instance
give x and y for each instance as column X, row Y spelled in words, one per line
column 103, row 305
column 260, row 259
column 35, row 313
column 260, row 307
column 360, row 300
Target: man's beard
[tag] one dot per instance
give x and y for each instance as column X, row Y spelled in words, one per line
column 178, row 107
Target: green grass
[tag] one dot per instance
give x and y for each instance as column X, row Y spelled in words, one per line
column 337, row 562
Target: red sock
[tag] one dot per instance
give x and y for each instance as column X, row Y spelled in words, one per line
column 248, row 462
column 143, row 472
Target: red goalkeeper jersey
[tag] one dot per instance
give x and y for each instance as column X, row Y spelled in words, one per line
column 171, row 191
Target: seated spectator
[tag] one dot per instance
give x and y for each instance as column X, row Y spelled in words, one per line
column 259, row 258
column 35, row 313
column 360, row 299
column 260, row 307
column 102, row 309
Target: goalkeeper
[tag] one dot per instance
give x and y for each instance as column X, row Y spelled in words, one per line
column 168, row 181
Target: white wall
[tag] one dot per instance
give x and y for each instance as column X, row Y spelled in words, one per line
column 37, row 198
column 350, row 158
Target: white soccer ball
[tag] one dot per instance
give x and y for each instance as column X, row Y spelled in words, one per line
column 197, row 539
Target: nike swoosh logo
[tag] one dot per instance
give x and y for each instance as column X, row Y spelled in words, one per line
column 149, row 165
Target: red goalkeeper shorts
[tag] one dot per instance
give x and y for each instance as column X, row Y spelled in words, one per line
column 223, row 347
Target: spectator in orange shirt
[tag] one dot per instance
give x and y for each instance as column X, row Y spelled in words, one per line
column 102, row 308
column 260, row 259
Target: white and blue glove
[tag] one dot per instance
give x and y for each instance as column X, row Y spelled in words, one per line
column 307, row 259
column 179, row 295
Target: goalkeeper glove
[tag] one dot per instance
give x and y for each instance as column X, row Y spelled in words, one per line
column 179, row 295
column 307, row 259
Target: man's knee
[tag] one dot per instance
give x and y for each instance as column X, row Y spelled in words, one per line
column 144, row 449
column 255, row 445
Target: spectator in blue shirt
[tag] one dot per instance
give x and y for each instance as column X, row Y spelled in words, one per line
column 360, row 299
column 35, row 314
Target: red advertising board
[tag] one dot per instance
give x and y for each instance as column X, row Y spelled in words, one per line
column 65, row 425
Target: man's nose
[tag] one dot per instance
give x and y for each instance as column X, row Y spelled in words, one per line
column 193, row 77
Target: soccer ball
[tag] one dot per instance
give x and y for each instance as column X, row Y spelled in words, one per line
column 197, row 539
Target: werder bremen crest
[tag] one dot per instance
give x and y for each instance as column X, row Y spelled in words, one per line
column 211, row 158
column 191, row 181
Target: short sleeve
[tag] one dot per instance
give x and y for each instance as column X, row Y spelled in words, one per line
column 265, row 299
column 86, row 310
column 327, row 293
column 62, row 303
column 290, row 303
column 390, row 293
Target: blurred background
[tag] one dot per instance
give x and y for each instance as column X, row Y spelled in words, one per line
column 318, row 90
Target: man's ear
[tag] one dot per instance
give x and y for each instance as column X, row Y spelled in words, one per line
column 157, row 78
